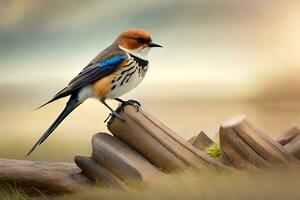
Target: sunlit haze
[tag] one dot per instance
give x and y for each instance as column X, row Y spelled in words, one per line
column 220, row 58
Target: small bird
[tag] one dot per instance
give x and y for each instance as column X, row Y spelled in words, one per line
column 113, row 72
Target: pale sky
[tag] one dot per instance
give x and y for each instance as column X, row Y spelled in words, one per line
column 217, row 49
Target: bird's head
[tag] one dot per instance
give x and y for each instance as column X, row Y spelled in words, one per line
column 136, row 41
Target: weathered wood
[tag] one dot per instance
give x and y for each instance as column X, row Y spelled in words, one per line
column 201, row 141
column 240, row 154
column 254, row 137
column 141, row 148
column 293, row 147
column 157, row 143
column 288, row 135
column 121, row 160
column 192, row 139
column 223, row 158
column 205, row 160
column 290, row 139
column 42, row 177
column 97, row 173
column 138, row 139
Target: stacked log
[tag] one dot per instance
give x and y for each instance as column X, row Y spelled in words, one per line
column 288, row 135
column 154, row 141
column 112, row 162
column 290, row 139
column 246, row 144
column 141, row 148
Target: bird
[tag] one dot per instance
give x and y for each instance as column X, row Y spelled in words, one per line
column 112, row 73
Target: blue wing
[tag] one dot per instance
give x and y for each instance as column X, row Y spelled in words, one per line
column 89, row 75
column 94, row 73
column 112, row 61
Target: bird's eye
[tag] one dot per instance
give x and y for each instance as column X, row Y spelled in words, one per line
column 141, row 40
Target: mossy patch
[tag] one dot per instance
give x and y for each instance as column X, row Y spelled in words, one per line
column 214, row 150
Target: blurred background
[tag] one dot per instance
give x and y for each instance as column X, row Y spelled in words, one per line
column 220, row 58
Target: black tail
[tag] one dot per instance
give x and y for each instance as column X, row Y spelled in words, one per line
column 71, row 105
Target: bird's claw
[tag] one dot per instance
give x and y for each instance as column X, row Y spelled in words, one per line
column 132, row 102
column 114, row 114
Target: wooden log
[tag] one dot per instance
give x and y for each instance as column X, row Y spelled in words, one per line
column 201, row 141
column 192, row 139
column 288, row 135
column 205, row 160
column 138, row 139
column 240, row 154
column 245, row 133
column 223, row 158
column 97, row 173
column 157, row 143
column 42, row 177
column 121, row 160
column 293, row 147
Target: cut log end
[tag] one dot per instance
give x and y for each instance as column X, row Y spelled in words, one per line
column 233, row 121
column 240, row 134
column 201, row 141
column 288, row 135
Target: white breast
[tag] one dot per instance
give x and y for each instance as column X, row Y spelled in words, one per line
column 128, row 81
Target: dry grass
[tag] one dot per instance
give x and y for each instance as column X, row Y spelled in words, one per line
column 279, row 184
column 192, row 185
column 12, row 193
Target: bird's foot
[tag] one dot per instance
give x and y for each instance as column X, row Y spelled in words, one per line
column 114, row 114
column 119, row 100
column 133, row 103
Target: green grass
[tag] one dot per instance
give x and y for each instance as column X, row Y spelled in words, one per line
column 12, row 193
column 214, row 150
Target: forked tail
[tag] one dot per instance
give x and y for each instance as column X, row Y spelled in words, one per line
column 70, row 106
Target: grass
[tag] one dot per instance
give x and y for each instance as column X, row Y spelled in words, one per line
column 189, row 185
column 11, row 193
column 214, row 150
column 196, row 185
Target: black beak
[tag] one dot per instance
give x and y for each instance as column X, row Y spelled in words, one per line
column 152, row 44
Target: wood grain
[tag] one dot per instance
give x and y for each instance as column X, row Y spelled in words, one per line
column 42, row 177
